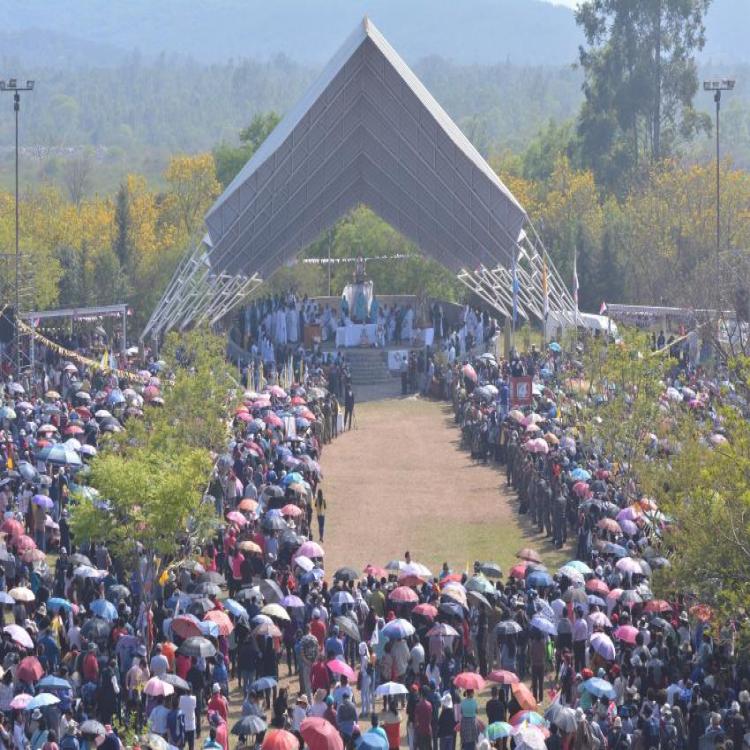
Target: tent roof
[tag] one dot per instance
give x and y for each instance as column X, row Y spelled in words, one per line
column 366, row 131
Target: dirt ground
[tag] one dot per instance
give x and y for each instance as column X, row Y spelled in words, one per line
column 401, row 481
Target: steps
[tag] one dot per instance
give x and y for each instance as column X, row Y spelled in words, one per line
column 369, row 366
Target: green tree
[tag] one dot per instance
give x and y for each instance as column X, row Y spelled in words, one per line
column 123, row 241
column 154, row 476
column 229, row 159
column 640, row 81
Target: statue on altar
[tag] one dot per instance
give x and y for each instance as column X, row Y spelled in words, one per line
column 360, row 270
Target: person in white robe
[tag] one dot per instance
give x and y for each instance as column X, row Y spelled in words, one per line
column 281, row 337
column 292, row 324
column 407, row 326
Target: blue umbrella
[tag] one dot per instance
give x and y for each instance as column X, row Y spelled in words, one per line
column 116, row 397
column 264, row 683
column 543, row 624
column 42, row 700
column 6, row 598
column 43, row 501
column 56, row 603
column 316, row 574
column 615, row 549
column 209, row 629
column 294, row 477
column 104, row 609
column 302, row 423
column 51, row 682
column 397, row 629
column 538, row 579
column 234, row 608
column 580, row 475
column 593, row 599
column 57, row 453
column 372, row 741
column 554, row 346
column 498, row 730
column 599, row 687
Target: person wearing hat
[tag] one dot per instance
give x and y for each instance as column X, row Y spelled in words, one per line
column 318, row 707
column 299, row 712
column 346, row 717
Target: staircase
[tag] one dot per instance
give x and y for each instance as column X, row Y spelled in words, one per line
column 368, row 366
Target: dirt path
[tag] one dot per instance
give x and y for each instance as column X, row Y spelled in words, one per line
column 401, row 481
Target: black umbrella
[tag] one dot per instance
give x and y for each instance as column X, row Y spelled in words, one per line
column 508, row 627
column 78, row 559
column 273, row 490
column 250, row 724
column 93, row 728
column 198, row 646
column 246, row 594
column 199, row 607
column 117, row 592
column 491, row 570
column 207, row 589
column 96, row 629
column 271, row 591
column 176, row 682
column 289, row 538
column 345, row 574
column 273, row 523
column 451, row 609
column 27, row 471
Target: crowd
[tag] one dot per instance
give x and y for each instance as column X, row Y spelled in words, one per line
column 252, row 622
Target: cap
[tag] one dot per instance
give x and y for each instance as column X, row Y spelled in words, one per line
column 215, row 688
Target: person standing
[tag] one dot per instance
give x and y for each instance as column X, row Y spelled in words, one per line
column 348, row 407
column 320, row 512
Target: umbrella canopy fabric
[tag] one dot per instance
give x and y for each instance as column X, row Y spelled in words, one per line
column 469, row 681
column 197, row 646
column 391, row 688
column 280, row 739
column 320, row 734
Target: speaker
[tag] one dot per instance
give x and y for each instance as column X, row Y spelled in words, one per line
column 7, row 325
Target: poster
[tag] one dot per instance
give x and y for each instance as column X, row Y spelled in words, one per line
column 521, row 391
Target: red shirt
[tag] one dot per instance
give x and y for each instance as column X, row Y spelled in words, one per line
column 182, row 665
column 318, row 629
column 221, row 735
column 423, row 718
column 218, row 703
column 319, row 677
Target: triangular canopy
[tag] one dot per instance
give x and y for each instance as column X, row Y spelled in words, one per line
column 367, row 131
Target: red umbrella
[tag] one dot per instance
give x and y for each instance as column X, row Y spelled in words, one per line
column 609, row 524
column 272, row 419
column 426, row 610
column 298, row 401
column 83, row 412
column 503, row 677
column 24, row 542
column 469, row 681
column 186, row 626
column 12, row 527
column 469, row 372
column 451, row 578
column 340, row 667
column 150, row 391
column 581, row 489
column 403, row 594
column 222, row 620
column 626, row 634
column 376, row 571
column 319, row 734
column 597, row 586
column 280, row 739
column 519, row 571
column 657, row 605
column 410, row 580
column 523, row 696
column 73, row 429
column 291, row 510
column 236, row 517
column 29, row 670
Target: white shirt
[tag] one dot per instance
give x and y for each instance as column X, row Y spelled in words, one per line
column 187, row 705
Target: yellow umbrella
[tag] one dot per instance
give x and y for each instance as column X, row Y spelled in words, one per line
column 275, row 610
column 22, row 594
column 249, row 546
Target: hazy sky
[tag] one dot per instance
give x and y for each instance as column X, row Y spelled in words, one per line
column 568, row 3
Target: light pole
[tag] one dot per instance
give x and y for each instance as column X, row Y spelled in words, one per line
column 717, row 85
column 13, row 86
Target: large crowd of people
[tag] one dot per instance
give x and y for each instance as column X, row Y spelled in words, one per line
column 253, row 624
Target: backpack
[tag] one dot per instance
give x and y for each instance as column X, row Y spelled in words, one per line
column 176, row 727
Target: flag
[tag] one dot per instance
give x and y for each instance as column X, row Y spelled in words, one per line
column 261, row 377
column 603, row 308
column 104, row 364
column 575, row 278
column 516, row 289
column 545, row 288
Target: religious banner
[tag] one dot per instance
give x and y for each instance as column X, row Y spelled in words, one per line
column 521, row 393
column 396, row 357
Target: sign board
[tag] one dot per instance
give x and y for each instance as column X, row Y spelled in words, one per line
column 396, row 357
column 521, row 391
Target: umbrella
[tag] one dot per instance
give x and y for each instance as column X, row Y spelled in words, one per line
column 155, row 687
column 599, row 619
column 469, row 681
column 491, row 569
column 523, row 696
column 249, row 546
column 118, row 592
column 22, row 594
column 602, row 645
column 508, row 627
column 349, row 627
column 372, row 741
column 21, row 701
column 104, row 609
column 528, row 554
column 480, row 584
column 263, row 683
column 538, row 579
column 221, row 620
column 503, row 677
column 280, row 739
column 391, row 688
column 565, row 719
column 267, row 629
column 597, row 586
column 277, row 611
column 197, row 646
column 426, row 610
column 290, row 601
column 185, row 626
column 397, row 629
column 248, row 725
column 451, row 609
column 207, row 589
column 469, row 372
column 403, row 595
column 340, row 667
column 498, row 730
column 345, row 574
column 19, row 636
column 598, row 687
column 176, row 682
column 234, row 608
column 320, row 734
column 626, row 634
column 311, row 549
column 271, row 590
column 442, row 629
column 657, row 605
column 96, row 629
column 341, row 598
column 93, row 728
column 29, row 670
column 543, row 624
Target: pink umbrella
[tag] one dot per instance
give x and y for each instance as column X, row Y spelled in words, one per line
column 272, row 419
column 600, row 620
column 603, row 645
column 340, row 667
column 155, row 687
column 628, row 527
column 311, row 550
column 278, row 391
column 150, row 391
column 626, row 634
column 21, row 701
column 236, row 517
column 403, row 594
column 291, row 510
column 581, row 489
column 243, row 416
column 469, row 372
column 628, row 565
column 19, row 636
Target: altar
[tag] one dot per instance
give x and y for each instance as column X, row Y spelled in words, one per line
column 356, row 334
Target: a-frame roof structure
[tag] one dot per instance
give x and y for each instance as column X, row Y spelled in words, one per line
column 367, row 131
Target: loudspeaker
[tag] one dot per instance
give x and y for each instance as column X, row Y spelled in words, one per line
column 7, row 325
